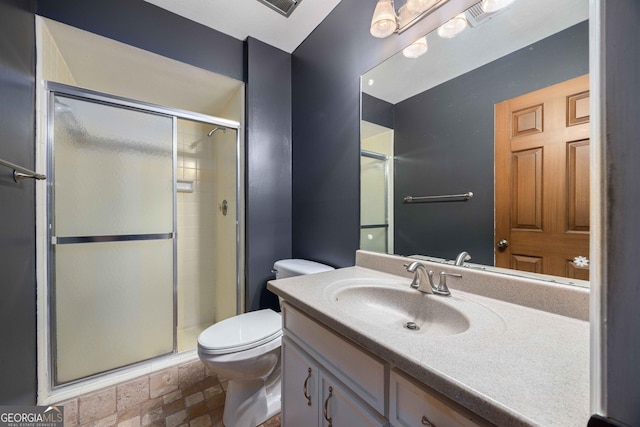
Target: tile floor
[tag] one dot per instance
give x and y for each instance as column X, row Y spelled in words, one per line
column 183, row 396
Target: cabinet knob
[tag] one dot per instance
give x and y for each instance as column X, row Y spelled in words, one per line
column 426, row 422
column 326, row 407
column 502, row 244
column 305, row 390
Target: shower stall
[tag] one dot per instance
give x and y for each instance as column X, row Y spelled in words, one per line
column 144, row 230
column 374, row 201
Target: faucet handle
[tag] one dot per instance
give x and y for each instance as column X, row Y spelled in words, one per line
column 442, row 288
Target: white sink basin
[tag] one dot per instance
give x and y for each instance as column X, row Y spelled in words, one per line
column 397, row 306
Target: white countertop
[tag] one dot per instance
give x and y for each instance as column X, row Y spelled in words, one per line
column 519, row 367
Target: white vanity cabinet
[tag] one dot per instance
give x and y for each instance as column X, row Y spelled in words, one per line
column 300, row 387
column 312, row 397
column 327, row 381
column 326, row 377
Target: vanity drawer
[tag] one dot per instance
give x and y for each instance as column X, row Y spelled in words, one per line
column 362, row 372
column 411, row 405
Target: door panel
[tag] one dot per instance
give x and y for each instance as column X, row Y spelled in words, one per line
column 578, row 109
column 578, row 172
column 542, row 180
column 527, row 121
column 526, row 263
column 527, row 189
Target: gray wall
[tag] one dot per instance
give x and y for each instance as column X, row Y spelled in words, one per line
column 17, row 218
column 268, row 167
column 326, row 128
column 375, row 110
column 622, row 292
column 444, row 145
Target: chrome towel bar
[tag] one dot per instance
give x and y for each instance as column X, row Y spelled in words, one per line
column 447, row 197
column 20, row 173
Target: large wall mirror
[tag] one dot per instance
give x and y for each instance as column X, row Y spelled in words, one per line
column 500, row 110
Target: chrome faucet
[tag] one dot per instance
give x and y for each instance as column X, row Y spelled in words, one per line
column 420, row 283
column 462, row 257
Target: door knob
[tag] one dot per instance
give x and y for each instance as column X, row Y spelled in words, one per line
column 503, row 244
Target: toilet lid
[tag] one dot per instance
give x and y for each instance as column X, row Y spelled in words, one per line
column 241, row 332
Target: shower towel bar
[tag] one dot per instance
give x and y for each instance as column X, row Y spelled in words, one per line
column 20, row 173
column 447, row 197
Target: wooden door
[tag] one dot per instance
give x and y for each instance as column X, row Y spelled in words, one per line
column 542, row 180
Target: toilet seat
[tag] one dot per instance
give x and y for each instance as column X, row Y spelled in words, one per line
column 241, row 332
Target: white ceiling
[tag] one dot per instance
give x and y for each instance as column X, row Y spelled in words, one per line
column 243, row 18
column 524, row 23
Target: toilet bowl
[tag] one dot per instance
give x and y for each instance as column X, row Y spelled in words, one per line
column 245, row 349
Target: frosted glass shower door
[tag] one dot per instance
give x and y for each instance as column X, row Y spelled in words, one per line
column 373, row 202
column 112, row 228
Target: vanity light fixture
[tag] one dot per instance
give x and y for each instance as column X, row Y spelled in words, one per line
column 419, row 6
column 490, row 6
column 453, row 27
column 416, row 49
column 387, row 21
column 384, row 21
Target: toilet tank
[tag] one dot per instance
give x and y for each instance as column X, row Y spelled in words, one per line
column 298, row 267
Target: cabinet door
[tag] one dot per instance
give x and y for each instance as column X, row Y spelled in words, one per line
column 412, row 405
column 300, row 387
column 341, row 408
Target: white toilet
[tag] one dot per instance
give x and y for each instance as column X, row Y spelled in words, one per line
column 245, row 349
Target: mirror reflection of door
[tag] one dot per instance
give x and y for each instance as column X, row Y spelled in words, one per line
column 542, row 180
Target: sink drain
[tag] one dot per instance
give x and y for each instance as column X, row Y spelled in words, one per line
column 412, row 326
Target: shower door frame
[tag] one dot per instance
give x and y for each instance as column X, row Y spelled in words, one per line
column 388, row 230
column 53, row 89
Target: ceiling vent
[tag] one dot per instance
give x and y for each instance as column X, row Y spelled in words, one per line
column 283, row 7
column 476, row 16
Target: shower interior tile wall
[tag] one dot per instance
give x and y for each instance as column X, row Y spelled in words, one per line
column 225, row 153
column 196, row 232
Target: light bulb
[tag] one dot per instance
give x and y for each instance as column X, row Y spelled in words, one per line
column 490, row 6
column 416, row 49
column 453, row 27
column 383, row 23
